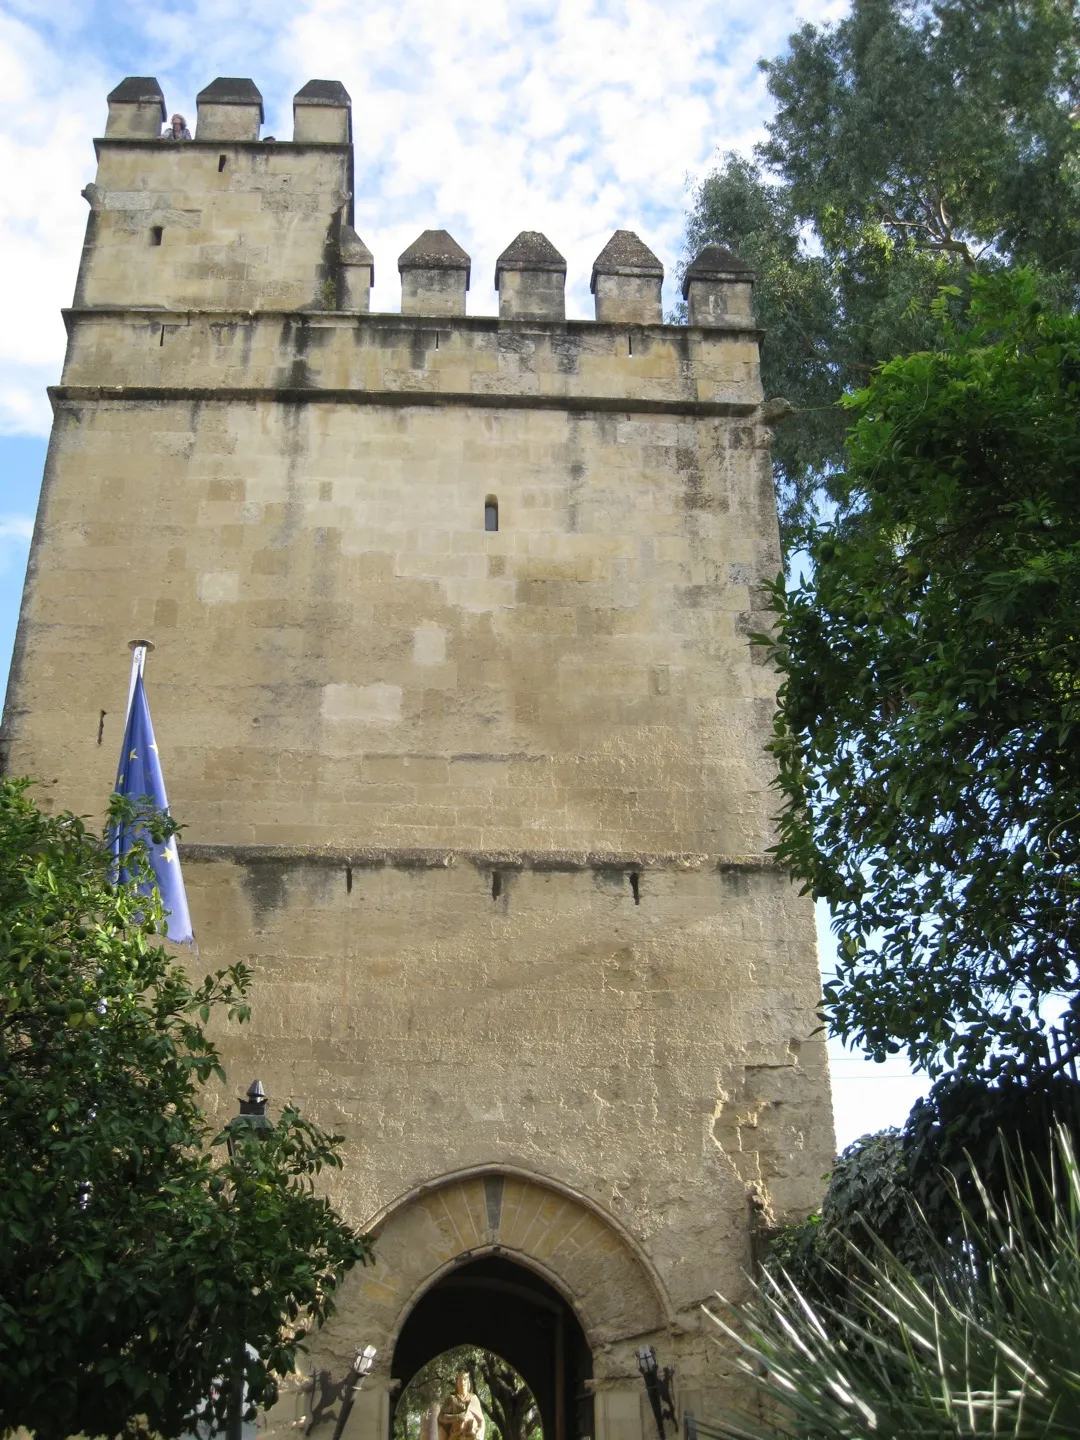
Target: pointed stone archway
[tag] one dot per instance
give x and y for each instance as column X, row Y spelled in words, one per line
column 501, row 1306
column 578, row 1253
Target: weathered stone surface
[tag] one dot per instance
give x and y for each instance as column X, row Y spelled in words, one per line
column 718, row 286
column 529, row 250
column 713, row 262
column 136, row 109
column 231, row 90
column 173, row 228
column 229, row 108
column 626, row 280
column 391, row 359
column 138, row 90
column 486, row 812
column 322, row 113
column 530, row 276
column 323, row 92
column 435, row 273
column 358, row 271
column 434, row 250
column 617, row 1292
column 626, row 254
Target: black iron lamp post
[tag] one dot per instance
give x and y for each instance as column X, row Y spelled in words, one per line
column 252, row 1119
column 658, row 1388
column 359, row 1370
column 252, row 1123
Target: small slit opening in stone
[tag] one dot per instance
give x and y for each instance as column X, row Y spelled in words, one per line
column 491, row 513
column 156, row 232
column 222, row 161
column 635, row 886
column 348, row 879
column 496, row 884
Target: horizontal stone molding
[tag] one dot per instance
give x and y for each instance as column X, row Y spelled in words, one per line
column 151, row 352
column 433, row 858
column 219, row 315
column 399, row 399
column 109, row 142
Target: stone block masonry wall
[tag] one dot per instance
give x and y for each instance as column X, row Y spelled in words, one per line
column 487, row 810
column 623, row 1045
column 215, row 222
column 341, row 641
column 226, row 219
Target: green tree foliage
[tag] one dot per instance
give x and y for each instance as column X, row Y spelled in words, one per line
column 869, row 1190
column 900, row 1185
column 914, row 145
column 510, row 1403
column 980, row 1339
column 928, row 730
column 137, row 1258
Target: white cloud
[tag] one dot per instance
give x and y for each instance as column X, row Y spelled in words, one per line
column 43, row 167
column 15, row 533
column 570, row 116
column 16, row 527
column 576, row 121
column 24, row 405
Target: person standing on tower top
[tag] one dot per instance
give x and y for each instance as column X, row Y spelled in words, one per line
column 176, row 129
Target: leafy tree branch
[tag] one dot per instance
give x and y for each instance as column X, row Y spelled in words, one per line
column 137, row 1256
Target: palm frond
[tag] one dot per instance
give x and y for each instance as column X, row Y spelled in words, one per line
column 990, row 1346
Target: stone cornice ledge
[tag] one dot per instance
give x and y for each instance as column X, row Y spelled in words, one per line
column 268, row 147
column 395, row 320
column 424, row 858
column 482, row 400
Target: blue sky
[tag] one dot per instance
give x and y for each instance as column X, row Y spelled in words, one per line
column 575, row 117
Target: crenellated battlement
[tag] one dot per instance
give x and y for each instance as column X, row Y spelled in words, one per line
column 231, row 108
column 237, row 220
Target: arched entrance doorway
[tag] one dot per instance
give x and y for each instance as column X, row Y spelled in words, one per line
column 502, row 1306
column 490, row 1250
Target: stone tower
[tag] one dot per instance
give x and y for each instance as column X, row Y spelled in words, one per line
column 455, row 698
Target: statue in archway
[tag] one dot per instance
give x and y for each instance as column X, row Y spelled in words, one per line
column 461, row 1416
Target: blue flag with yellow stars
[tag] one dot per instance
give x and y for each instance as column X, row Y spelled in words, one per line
column 139, row 778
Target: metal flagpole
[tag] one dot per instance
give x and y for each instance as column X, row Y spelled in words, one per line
column 144, row 778
column 139, row 649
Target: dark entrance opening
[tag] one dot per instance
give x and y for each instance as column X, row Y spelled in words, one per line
column 505, row 1308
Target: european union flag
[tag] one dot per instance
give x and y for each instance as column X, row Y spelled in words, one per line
column 139, row 776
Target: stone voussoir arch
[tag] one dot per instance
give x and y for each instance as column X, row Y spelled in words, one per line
column 563, row 1236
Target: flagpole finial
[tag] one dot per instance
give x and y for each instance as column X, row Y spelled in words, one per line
column 139, row 651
